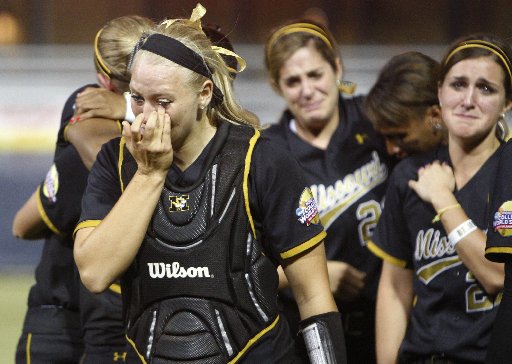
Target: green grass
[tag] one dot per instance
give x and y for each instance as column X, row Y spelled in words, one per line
column 13, row 304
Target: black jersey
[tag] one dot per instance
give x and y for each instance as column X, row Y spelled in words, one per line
column 59, row 207
column 57, row 280
column 499, row 232
column 452, row 315
column 282, row 207
column 348, row 181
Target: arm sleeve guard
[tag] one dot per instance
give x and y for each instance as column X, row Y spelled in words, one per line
column 324, row 338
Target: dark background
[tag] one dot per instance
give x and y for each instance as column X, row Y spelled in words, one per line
column 249, row 21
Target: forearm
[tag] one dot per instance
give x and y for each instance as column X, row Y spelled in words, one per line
column 394, row 299
column 108, row 250
column 471, row 248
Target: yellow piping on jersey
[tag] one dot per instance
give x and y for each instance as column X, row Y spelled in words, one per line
column 245, row 187
column 498, row 250
column 385, row 256
column 120, row 162
column 304, row 246
column 45, row 217
column 86, row 224
column 27, row 348
column 115, row 287
column 254, row 340
column 142, row 360
column 237, row 357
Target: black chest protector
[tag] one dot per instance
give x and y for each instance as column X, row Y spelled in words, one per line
column 201, row 290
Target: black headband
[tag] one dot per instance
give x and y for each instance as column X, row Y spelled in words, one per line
column 177, row 52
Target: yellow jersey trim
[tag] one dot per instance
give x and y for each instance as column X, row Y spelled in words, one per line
column 86, row 224
column 130, row 341
column 385, row 256
column 43, row 215
column 499, row 250
column 250, row 343
column 245, row 185
column 304, row 246
column 27, row 348
column 120, row 162
column 254, row 340
column 115, row 287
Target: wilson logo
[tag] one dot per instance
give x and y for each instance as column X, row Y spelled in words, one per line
column 174, row 270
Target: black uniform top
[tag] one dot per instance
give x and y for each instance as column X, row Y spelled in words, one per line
column 277, row 193
column 499, row 231
column 59, row 207
column 348, row 181
column 57, row 280
column 452, row 315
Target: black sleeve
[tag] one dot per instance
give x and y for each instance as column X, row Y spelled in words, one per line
column 282, row 202
column 60, row 193
column 499, row 230
column 500, row 350
column 390, row 241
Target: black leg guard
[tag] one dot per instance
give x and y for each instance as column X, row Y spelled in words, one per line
column 324, row 338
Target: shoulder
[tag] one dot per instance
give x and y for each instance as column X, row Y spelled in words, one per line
column 407, row 168
column 277, row 131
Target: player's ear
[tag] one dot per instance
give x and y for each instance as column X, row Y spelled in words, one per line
column 105, row 82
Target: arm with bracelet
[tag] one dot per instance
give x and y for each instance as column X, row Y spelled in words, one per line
column 435, row 184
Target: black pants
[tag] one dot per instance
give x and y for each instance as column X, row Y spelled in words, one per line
column 50, row 335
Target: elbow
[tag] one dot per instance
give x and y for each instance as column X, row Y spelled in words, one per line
column 93, row 282
column 19, row 231
column 494, row 285
column 93, row 279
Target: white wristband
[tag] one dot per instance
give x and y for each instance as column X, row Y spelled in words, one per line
column 461, row 231
column 128, row 115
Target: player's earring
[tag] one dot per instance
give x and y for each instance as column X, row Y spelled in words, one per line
column 435, row 124
column 440, row 104
column 502, row 116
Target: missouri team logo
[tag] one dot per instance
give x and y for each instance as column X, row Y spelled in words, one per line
column 307, row 212
column 51, row 184
column 178, row 203
column 503, row 219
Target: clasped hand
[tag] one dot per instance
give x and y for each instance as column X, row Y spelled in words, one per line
column 148, row 139
column 434, row 180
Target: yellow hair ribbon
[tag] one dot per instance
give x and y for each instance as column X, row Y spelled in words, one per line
column 195, row 17
column 197, row 14
column 241, row 62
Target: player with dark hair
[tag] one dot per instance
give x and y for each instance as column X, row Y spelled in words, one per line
column 438, row 294
column 65, row 323
column 345, row 164
column 403, row 105
column 194, row 211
